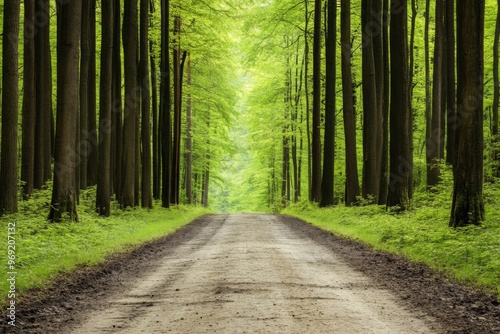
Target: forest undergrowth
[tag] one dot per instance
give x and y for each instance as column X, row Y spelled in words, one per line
column 45, row 250
column 469, row 255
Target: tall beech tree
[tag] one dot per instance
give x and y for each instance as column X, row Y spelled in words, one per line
column 146, row 196
column 165, row 105
column 64, row 192
column 29, row 100
column 468, row 204
column 451, row 113
column 117, row 107
column 10, row 96
column 351, row 164
column 371, row 116
column 327, row 183
column 434, row 141
column 401, row 168
column 103, row 199
column 43, row 123
column 130, row 47
column 315, row 187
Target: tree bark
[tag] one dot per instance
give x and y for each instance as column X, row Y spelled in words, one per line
column 147, row 200
column 103, row 200
column 10, row 97
column 165, row 105
column 64, row 192
column 468, row 203
column 93, row 146
column 496, row 96
column 156, row 137
column 401, row 168
column 434, row 142
column 29, row 100
column 327, row 183
column 43, row 124
column 189, row 140
column 130, row 43
column 351, row 164
column 371, row 119
column 84, row 138
column 116, row 117
column 315, row 191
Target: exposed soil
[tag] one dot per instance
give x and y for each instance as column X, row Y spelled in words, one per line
column 255, row 274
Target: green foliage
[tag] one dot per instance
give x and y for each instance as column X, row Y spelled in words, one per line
column 45, row 250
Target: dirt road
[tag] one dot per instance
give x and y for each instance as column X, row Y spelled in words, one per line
column 257, row 274
column 252, row 274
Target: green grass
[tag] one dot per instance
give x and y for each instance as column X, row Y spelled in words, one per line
column 44, row 249
column 470, row 255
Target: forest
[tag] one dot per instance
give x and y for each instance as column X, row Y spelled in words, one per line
column 364, row 110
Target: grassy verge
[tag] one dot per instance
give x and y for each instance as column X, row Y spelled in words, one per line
column 44, row 249
column 470, row 255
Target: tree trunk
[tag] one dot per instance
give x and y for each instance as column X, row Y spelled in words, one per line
column 315, row 191
column 165, row 105
column 103, row 200
column 43, row 130
column 468, row 203
column 64, row 199
column 92, row 95
column 130, row 40
column 156, row 137
column 351, row 164
column 400, row 126
column 371, row 120
column 10, row 97
column 327, row 183
column 428, row 100
column 189, row 140
column 116, row 116
column 174, row 195
column 496, row 96
column 84, row 138
column 29, row 100
column 434, row 142
column 147, row 200
column 384, row 105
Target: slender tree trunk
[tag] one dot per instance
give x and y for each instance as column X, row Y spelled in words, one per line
column 496, row 95
column 327, row 183
column 103, row 199
column 306, row 89
column 468, row 203
column 84, row 139
column 315, row 191
column 64, row 192
column 156, row 137
column 371, row 120
column 43, row 69
column 189, row 140
column 436, row 136
column 384, row 113
column 147, row 200
column 174, row 198
column 428, row 99
column 351, row 164
column 165, row 105
column 10, row 97
column 128, row 190
column 401, row 148
column 29, row 100
column 92, row 96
